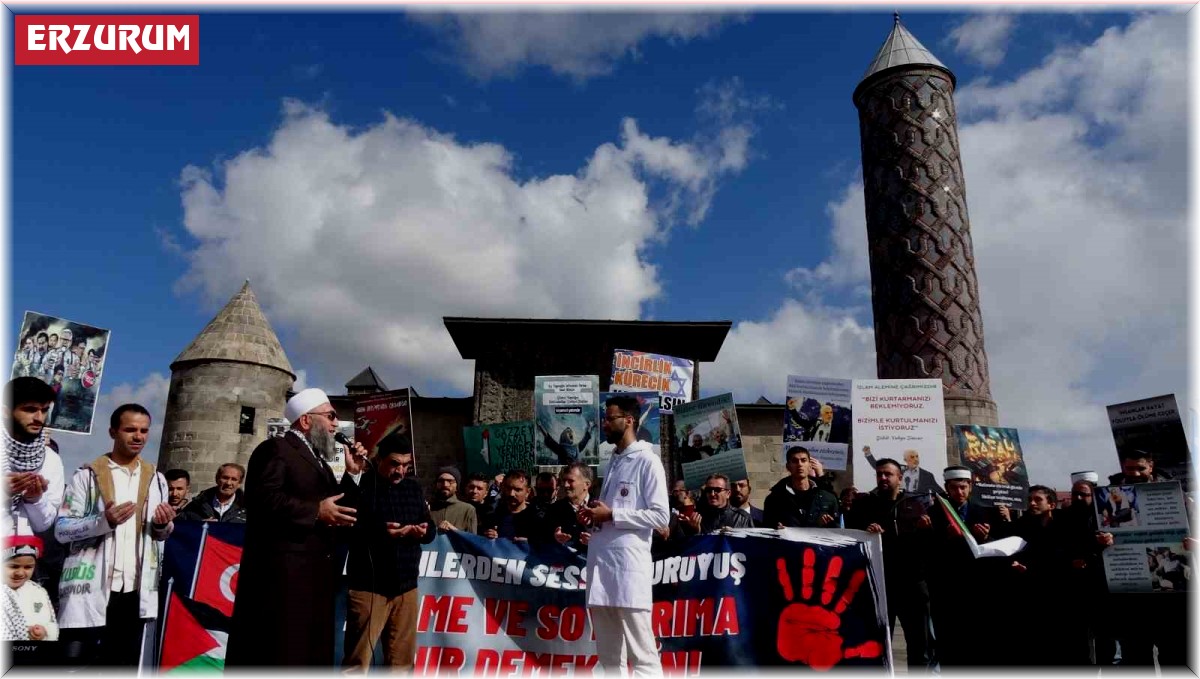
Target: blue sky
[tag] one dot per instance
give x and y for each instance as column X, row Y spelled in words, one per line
column 372, row 172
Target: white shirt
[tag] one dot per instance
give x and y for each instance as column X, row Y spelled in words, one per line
column 35, row 606
column 35, row 517
column 619, row 566
column 910, row 479
column 125, row 561
column 222, row 508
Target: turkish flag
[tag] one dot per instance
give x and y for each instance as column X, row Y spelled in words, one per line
column 216, row 579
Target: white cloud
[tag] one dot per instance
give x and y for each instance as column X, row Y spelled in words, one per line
column 1075, row 173
column 798, row 340
column 150, row 392
column 983, row 38
column 359, row 241
column 577, row 45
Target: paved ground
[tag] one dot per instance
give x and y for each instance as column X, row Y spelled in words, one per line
column 899, row 652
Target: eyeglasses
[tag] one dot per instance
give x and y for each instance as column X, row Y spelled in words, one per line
column 715, row 490
column 331, row 414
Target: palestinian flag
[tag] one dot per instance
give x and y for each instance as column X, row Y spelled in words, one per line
column 956, row 523
column 194, row 637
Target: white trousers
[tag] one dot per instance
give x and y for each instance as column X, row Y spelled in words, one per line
column 624, row 636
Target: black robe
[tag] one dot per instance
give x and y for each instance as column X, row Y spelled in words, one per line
column 283, row 613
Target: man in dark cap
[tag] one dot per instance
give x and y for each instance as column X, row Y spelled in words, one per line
column 447, row 511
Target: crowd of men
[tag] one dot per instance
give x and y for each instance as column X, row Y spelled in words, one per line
column 114, row 512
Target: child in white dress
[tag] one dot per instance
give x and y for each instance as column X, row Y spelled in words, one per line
column 28, row 615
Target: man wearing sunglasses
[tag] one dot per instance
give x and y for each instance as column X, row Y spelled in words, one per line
column 714, row 512
column 288, row 571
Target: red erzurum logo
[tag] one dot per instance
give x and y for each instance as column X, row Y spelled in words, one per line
column 107, row 40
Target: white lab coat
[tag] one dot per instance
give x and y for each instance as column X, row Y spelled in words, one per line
column 618, row 562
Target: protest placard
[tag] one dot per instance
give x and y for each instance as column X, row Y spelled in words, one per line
column 1148, row 522
column 998, row 471
column 1153, row 424
column 497, row 448
column 668, row 376
column 904, row 420
column 565, row 412
column 818, row 416
column 709, row 439
column 384, row 416
column 69, row 357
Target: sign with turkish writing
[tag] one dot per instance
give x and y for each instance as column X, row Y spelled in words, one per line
column 671, row 377
column 902, row 420
column 495, row 607
column 1153, row 424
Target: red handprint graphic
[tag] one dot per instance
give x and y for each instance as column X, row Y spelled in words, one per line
column 809, row 633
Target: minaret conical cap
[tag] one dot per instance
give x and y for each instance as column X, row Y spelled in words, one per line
column 239, row 333
column 901, row 48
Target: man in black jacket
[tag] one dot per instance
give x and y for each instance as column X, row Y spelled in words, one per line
column 901, row 521
column 562, row 520
column 797, row 501
column 714, row 512
column 385, row 551
column 223, row 502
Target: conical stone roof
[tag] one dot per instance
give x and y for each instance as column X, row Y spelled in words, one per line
column 902, row 49
column 239, row 332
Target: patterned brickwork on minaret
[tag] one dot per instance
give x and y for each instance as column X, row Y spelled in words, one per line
column 924, row 291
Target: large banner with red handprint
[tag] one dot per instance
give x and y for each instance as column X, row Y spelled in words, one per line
column 751, row 598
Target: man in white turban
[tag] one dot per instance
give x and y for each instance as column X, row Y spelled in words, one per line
column 286, row 583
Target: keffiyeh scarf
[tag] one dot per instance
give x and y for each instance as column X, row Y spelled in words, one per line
column 22, row 457
column 15, row 626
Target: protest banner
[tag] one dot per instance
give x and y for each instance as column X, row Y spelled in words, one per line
column 669, row 376
column 709, row 439
column 648, row 425
column 496, row 607
column 565, row 411
column 496, row 448
column 998, row 471
column 384, row 415
column 819, row 418
column 68, row 356
column 1153, row 424
column 904, row 420
column 1148, row 522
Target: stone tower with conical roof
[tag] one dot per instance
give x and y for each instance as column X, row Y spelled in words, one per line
column 224, row 387
column 923, row 287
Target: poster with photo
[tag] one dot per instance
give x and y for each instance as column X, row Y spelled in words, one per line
column 648, row 425
column 1148, row 522
column 68, row 356
column 496, row 448
column 818, row 416
column 669, row 376
column 998, row 471
column 565, row 410
column 384, row 419
column 1153, row 424
column 904, row 420
column 710, row 440
column 277, row 427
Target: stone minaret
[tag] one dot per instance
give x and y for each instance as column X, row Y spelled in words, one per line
column 923, row 287
column 224, row 387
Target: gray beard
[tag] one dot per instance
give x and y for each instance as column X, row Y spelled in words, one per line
column 323, row 443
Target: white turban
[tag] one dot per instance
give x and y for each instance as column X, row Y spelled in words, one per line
column 303, row 403
column 1091, row 477
column 954, row 473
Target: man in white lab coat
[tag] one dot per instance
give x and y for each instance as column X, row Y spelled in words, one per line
column 631, row 505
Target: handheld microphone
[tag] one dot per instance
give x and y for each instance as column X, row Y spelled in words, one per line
column 343, row 439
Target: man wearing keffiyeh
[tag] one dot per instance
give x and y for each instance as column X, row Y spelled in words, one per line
column 32, row 469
